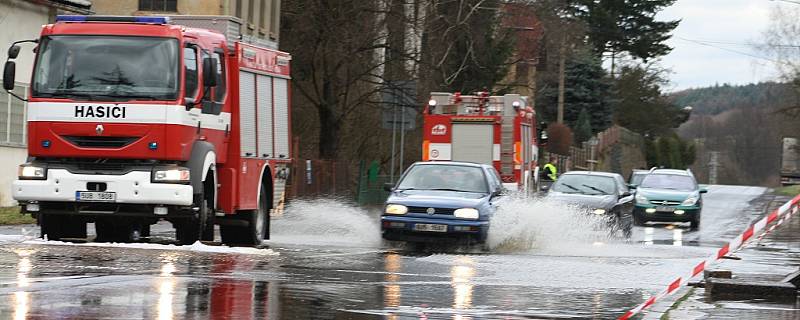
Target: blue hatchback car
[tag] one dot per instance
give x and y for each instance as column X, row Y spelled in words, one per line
column 442, row 201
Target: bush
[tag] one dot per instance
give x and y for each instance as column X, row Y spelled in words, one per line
column 559, row 138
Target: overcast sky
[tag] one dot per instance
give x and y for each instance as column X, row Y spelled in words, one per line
column 732, row 22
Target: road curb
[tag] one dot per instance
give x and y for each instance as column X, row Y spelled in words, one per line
column 778, row 216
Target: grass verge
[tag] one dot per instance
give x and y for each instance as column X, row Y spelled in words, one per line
column 677, row 303
column 11, row 215
column 788, row 190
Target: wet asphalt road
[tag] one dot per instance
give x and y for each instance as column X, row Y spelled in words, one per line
column 326, row 261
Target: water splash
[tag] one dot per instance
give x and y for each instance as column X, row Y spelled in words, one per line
column 527, row 223
column 326, row 222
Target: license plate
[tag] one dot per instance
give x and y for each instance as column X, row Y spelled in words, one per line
column 95, row 196
column 665, row 209
column 430, row 227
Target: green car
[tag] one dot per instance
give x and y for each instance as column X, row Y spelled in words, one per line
column 667, row 195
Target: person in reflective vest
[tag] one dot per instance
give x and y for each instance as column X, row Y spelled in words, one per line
column 550, row 172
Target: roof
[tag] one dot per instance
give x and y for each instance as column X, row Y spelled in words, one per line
column 671, row 171
column 593, row 173
column 72, row 6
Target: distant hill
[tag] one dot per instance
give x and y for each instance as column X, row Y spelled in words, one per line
column 720, row 98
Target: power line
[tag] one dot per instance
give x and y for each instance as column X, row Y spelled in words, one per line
column 741, row 43
column 727, row 49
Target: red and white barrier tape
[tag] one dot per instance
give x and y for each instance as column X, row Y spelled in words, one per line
column 781, row 214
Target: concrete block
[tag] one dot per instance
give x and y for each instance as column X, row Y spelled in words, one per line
column 720, row 288
column 718, row 273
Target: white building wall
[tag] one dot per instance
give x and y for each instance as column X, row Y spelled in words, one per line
column 19, row 20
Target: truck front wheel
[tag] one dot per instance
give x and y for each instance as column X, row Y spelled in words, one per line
column 57, row 227
column 191, row 230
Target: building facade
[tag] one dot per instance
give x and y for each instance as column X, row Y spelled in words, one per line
column 21, row 20
column 260, row 18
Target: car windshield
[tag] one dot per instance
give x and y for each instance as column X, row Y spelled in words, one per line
column 444, row 177
column 669, row 181
column 585, row 184
column 104, row 68
column 636, row 178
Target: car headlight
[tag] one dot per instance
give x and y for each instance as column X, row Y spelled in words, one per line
column 599, row 211
column 690, row 201
column 466, row 213
column 31, row 172
column 172, row 175
column 397, row 209
column 640, row 198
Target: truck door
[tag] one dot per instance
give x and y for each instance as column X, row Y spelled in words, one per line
column 473, row 142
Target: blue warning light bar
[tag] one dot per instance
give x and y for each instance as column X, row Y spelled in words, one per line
column 136, row 19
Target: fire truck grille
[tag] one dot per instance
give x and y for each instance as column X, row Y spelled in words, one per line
column 100, row 142
column 435, row 210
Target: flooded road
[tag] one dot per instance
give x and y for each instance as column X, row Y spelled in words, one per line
column 326, row 261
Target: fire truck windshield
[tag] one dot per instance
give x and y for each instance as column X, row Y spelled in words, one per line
column 107, row 68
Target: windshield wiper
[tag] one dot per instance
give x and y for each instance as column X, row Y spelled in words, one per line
column 595, row 189
column 66, row 95
column 94, row 96
column 454, row 190
column 571, row 187
column 129, row 96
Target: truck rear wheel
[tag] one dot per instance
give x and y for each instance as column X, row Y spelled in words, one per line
column 257, row 228
column 57, row 227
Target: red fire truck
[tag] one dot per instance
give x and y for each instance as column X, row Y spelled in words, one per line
column 132, row 120
column 494, row 130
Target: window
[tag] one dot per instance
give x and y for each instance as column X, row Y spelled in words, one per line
column 95, row 67
column 275, row 19
column 190, row 69
column 238, row 8
column 158, row 5
column 251, row 8
column 219, row 91
column 445, row 178
column 263, row 27
column 12, row 117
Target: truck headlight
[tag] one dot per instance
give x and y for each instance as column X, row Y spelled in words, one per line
column 397, row 209
column 31, row 172
column 466, row 213
column 599, row 211
column 640, row 198
column 171, row 175
column 690, row 201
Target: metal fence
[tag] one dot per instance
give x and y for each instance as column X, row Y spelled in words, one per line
column 13, row 131
column 313, row 178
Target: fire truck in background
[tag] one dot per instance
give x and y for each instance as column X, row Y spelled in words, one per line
column 495, row 130
column 132, row 120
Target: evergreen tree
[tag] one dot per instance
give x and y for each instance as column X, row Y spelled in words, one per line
column 587, row 87
column 628, row 26
column 583, row 127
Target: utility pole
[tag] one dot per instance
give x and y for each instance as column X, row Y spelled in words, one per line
column 713, row 167
column 562, row 60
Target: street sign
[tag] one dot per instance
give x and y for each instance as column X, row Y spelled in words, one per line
column 399, row 105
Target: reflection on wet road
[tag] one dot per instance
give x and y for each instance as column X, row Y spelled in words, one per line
column 335, row 267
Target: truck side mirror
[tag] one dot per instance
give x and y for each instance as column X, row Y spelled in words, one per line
column 9, row 72
column 209, row 72
column 388, row 186
column 13, row 52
